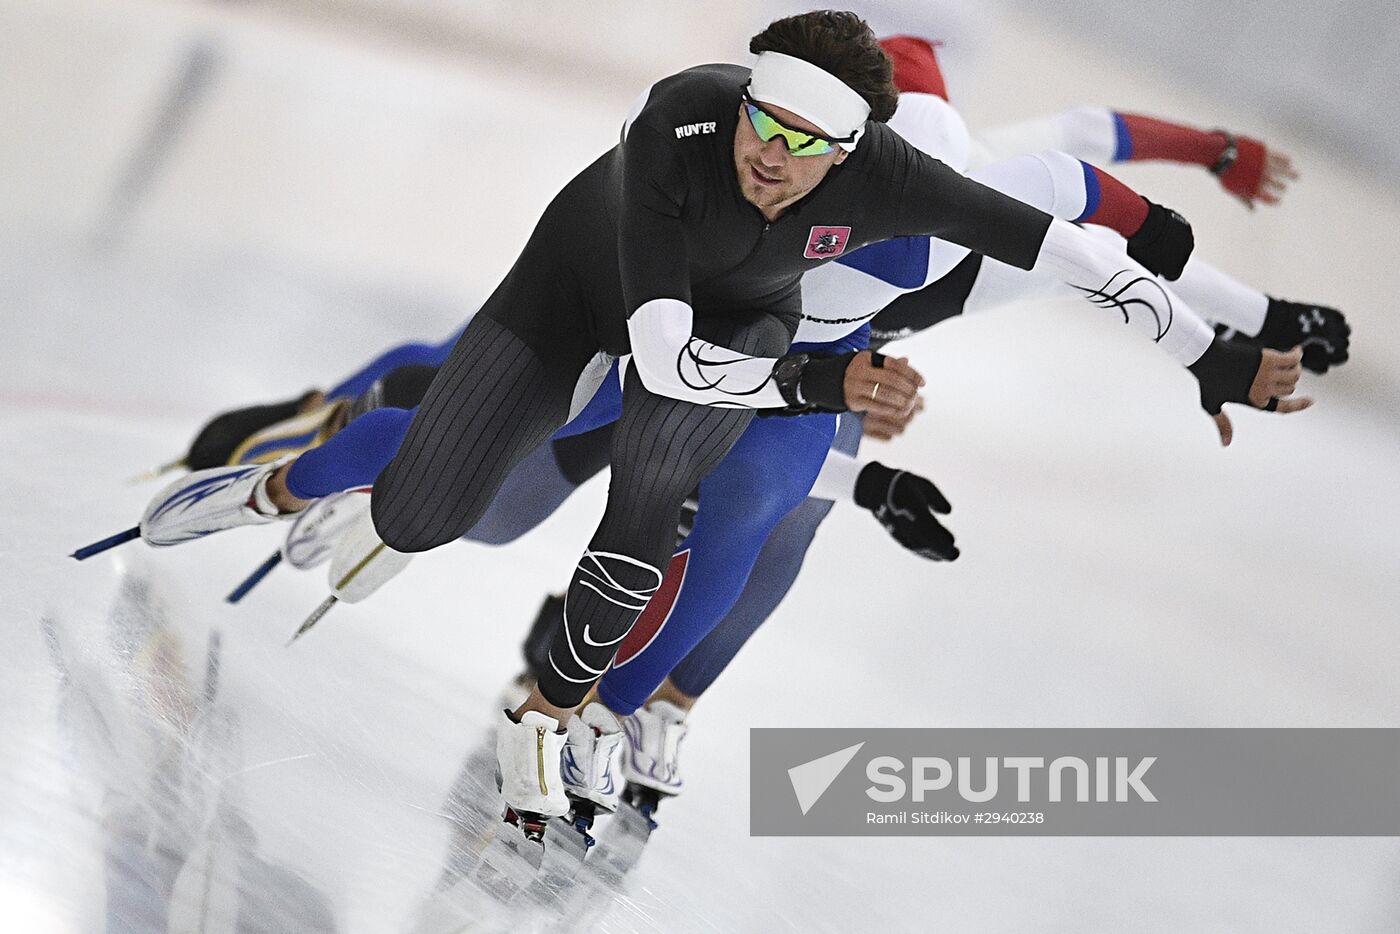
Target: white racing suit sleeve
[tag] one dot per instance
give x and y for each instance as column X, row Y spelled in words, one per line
column 1113, row 281
column 1087, row 133
column 671, row 361
column 1217, row 296
column 837, row 480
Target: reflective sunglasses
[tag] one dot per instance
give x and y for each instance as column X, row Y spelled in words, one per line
column 799, row 143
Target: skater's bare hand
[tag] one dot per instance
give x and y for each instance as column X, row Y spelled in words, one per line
column 885, row 428
column 1275, row 380
column 1278, row 173
column 885, row 387
column 1256, row 174
column 1277, row 376
column 1274, row 178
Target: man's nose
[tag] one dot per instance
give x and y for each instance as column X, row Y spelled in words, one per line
column 774, row 153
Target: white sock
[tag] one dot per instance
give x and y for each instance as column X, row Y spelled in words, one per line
column 263, row 503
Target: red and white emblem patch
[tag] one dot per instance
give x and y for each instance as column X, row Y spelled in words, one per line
column 826, row 242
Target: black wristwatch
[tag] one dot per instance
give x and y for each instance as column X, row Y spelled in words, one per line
column 1227, row 156
column 787, row 375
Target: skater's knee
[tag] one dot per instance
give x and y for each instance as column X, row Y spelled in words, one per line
column 408, row 525
column 406, row 536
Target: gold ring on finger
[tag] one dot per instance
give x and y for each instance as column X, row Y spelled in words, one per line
column 874, row 391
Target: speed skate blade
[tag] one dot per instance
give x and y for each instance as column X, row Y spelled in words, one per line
column 111, row 541
column 156, row 472
column 252, row 580
column 314, row 618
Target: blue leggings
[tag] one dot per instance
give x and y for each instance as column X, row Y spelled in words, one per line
column 773, row 576
column 355, row 385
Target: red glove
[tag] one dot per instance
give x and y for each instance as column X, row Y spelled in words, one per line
column 1240, row 167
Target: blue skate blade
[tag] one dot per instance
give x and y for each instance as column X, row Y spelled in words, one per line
column 112, row 541
column 255, row 578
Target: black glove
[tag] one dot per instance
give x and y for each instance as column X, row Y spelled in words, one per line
column 811, row 382
column 905, row 504
column 1226, row 371
column 1163, row 243
column 1323, row 333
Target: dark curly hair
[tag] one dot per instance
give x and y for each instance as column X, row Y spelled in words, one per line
column 841, row 43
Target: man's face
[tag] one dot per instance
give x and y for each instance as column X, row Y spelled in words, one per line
column 770, row 177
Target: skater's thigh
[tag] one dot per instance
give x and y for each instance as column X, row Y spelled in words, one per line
column 662, row 443
column 495, row 399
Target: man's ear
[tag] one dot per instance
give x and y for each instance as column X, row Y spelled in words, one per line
column 841, row 155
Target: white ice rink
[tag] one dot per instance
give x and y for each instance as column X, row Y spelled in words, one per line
column 168, row 764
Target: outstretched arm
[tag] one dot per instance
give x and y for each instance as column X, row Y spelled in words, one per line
column 1246, row 167
column 1226, row 373
column 963, row 211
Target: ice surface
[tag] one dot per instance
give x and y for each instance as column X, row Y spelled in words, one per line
column 167, row 763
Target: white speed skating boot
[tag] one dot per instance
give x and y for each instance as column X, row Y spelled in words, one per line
column 527, row 770
column 362, row 563
column 319, row 527
column 592, row 761
column 654, row 735
column 209, row 501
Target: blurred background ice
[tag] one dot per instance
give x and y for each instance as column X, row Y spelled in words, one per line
column 211, row 204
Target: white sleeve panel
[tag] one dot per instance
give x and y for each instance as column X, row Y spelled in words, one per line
column 1222, row 298
column 932, row 126
column 837, row 299
column 1087, row 133
column 1052, row 181
column 1209, row 292
column 1110, row 279
column 837, row 480
column 943, row 255
column 672, row 362
column 1215, row 295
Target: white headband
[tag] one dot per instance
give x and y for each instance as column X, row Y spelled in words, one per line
column 810, row 92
